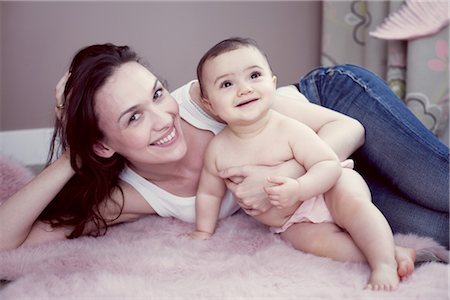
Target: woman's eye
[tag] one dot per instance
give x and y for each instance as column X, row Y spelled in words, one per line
column 255, row 75
column 134, row 117
column 158, row 93
column 225, row 84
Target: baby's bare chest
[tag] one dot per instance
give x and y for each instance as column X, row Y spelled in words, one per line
column 254, row 152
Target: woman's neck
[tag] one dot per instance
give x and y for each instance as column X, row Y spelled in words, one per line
column 180, row 177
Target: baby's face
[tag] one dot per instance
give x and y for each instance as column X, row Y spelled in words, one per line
column 239, row 84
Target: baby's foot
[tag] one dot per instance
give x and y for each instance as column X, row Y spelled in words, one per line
column 405, row 258
column 384, row 277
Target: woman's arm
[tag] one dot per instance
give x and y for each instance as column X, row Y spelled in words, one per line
column 18, row 215
column 343, row 134
column 20, row 211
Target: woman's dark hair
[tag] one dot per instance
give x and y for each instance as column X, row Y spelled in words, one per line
column 224, row 46
column 82, row 199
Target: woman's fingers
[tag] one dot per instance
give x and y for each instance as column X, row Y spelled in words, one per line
column 59, row 94
column 233, row 172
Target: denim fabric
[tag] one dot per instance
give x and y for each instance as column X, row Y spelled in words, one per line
column 404, row 164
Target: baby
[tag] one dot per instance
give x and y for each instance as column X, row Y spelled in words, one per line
column 238, row 86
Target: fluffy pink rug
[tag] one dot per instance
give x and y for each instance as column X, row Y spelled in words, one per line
column 147, row 259
column 13, row 175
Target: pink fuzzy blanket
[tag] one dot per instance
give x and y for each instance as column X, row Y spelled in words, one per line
column 147, row 259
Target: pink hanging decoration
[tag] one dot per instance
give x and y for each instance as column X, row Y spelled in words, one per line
column 416, row 18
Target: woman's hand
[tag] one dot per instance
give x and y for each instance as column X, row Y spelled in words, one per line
column 59, row 95
column 247, row 183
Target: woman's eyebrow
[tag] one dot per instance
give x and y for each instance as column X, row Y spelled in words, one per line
column 136, row 106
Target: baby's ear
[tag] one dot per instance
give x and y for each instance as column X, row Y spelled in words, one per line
column 103, row 150
column 207, row 104
column 274, row 79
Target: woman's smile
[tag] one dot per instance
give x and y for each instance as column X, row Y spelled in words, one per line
column 167, row 140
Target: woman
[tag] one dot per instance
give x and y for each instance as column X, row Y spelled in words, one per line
column 131, row 154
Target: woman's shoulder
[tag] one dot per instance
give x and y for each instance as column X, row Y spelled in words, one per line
column 192, row 112
column 135, row 203
column 291, row 91
column 182, row 94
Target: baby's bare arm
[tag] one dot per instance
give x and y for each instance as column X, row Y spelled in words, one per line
column 209, row 196
column 321, row 163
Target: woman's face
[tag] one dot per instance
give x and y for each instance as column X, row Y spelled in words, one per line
column 139, row 118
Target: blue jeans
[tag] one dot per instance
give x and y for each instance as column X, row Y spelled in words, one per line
column 404, row 164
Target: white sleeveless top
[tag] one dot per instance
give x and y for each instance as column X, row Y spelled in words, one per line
column 164, row 203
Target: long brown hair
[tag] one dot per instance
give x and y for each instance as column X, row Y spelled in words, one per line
column 81, row 200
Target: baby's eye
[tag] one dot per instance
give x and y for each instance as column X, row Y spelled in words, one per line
column 158, row 93
column 255, row 75
column 225, row 84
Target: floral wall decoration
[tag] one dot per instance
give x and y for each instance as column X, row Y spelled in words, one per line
column 404, row 42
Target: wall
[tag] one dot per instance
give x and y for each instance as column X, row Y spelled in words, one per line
column 1, row 60
column 39, row 39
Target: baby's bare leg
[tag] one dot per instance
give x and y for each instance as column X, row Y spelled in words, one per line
column 323, row 239
column 350, row 205
column 329, row 240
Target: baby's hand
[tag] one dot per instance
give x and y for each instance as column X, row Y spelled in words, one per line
column 283, row 191
column 198, row 235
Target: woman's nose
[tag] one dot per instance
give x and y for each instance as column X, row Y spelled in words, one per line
column 161, row 119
